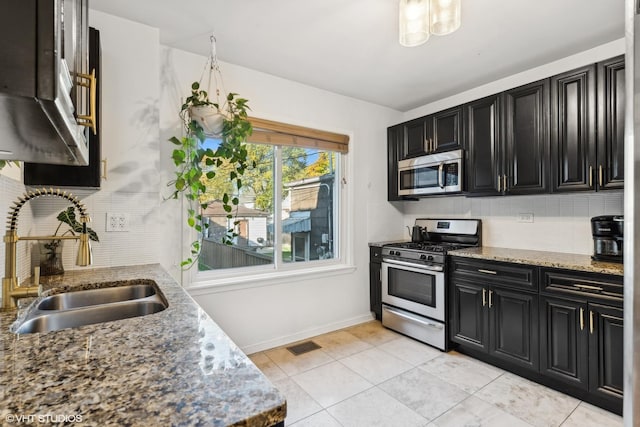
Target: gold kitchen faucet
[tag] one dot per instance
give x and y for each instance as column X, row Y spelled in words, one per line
column 11, row 289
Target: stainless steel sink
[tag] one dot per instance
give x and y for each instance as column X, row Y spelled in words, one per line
column 88, row 307
column 56, row 320
column 69, row 300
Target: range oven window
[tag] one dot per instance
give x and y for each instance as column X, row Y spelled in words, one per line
column 416, row 287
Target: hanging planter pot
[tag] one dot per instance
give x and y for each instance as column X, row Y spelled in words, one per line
column 209, row 118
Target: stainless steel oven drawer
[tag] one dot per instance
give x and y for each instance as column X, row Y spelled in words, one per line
column 421, row 328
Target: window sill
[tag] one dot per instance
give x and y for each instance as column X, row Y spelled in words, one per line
column 271, row 278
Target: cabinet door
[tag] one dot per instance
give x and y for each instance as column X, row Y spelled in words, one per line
column 76, row 176
column 415, row 138
column 483, row 143
column 611, row 123
column 526, row 111
column 394, row 141
column 447, row 132
column 563, row 341
column 573, row 130
column 375, row 289
column 513, row 325
column 606, row 351
column 469, row 322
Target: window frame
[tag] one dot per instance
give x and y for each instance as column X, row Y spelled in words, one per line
column 280, row 271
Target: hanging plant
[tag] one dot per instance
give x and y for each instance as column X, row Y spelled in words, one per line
column 194, row 162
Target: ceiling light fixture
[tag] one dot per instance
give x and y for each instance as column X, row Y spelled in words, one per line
column 420, row 18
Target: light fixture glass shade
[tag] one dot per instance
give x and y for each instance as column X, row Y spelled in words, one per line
column 445, row 16
column 414, row 22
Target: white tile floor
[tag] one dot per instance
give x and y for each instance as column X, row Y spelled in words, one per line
column 367, row 375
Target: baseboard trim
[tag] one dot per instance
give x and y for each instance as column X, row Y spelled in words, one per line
column 307, row 333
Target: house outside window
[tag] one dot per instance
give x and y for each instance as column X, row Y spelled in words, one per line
column 290, row 208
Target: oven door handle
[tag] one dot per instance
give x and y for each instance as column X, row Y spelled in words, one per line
column 413, row 319
column 413, row 265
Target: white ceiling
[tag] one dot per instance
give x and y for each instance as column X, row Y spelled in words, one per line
column 351, row 47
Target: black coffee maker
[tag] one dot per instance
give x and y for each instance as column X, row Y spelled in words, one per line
column 608, row 237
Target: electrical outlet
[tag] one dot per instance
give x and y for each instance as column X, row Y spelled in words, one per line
column 117, row 221
column 525, row 217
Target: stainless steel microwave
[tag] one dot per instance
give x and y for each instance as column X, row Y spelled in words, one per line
column 431, row 174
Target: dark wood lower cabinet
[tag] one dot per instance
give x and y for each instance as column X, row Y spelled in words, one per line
column 497, row 321
column 541, row 324
column 563, row 348
column 606, row 351
column 513, row 320
column 469, row 324
column 375, row 281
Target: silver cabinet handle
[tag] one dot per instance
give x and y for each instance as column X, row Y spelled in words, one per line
column 591, row 321
column 480, row 270
column 588, row 287
column 581, row 319
column 484, row 297
column 426, row 145
column 504, row 182
column 499, row 183
column 490, row 299
column 590, row 176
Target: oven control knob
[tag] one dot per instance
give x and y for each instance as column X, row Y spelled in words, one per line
column 397, row 253
column 423, row 256
column 430, row 257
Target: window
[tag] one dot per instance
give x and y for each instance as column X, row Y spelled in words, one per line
column 290, row 202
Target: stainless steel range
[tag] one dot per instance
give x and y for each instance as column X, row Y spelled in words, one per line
column 414, row 295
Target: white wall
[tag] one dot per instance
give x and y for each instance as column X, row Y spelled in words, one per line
column 561, row 222
column 262, row 317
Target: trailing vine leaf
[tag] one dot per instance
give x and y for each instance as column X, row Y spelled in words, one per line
column 189, row 156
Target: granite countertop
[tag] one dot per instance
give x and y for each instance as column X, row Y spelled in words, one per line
column 541, row 258
column 175, row 367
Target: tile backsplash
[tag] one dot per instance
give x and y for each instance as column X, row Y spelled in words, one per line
column 561, row 222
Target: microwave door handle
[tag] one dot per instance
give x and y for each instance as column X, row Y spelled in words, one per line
column 441, row 175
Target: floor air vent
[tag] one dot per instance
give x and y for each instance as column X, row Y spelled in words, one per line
column 302, row 348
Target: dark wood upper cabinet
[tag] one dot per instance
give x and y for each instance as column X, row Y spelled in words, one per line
column 438, row 132
column 573, row 130
column 561, row 134
column 414, row 142
column 76, row 176
column 526, row 138
column 484, row 149
column 611, row 99
column 447, row 130
column 394, row 143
